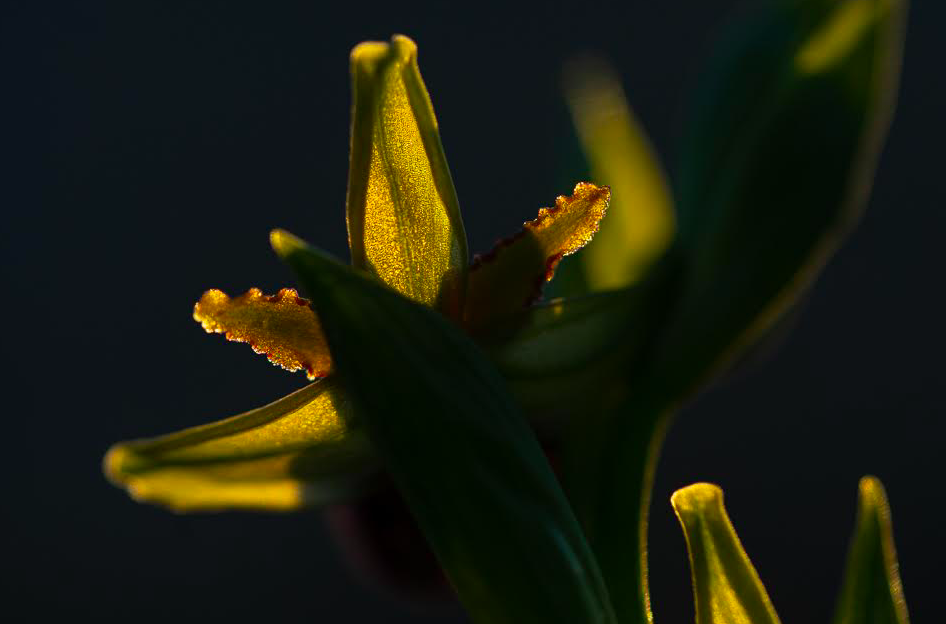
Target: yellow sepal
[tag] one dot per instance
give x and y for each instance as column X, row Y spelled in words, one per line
column 294, row 452
column 403, row 216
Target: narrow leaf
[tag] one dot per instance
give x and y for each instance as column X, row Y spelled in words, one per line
column 640, row 218
column 726, row 588
column 872, row 592
column 511, row 276
column 295, row 452
column 467, row 463
column 777, row 169
column 404, row 221
column 282, row 327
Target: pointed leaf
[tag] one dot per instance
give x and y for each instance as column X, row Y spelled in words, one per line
column 404, row 220
column 297, row 451
column 511, row 276
column 282, row 327
column 640, row 219
column 467, row 463
column 778, row 168
column 872, row 592
column 726, row 588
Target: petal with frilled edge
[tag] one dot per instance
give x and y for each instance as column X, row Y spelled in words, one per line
column 511, row 276
column 282, row 327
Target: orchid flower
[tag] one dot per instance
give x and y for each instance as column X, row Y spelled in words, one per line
column 428, row 365
column 405, row 229
column 435, row 412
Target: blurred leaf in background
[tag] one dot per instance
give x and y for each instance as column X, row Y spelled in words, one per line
column 776, row 164
column 640, row 219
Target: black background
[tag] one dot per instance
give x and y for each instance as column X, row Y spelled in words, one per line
column 149, row 149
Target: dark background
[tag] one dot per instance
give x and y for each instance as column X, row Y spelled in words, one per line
column 150, row 148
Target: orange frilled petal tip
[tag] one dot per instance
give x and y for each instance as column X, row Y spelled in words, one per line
column 512, row 274
column 282, row 327
column 570, row 224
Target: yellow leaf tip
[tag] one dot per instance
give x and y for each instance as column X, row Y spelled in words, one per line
column 112, row 463
column 404, row 45
column 872, row 495
column 698, row 498
column 369, row 55
column 284, row 243
column 368, row 51
column 837, row 37
column 118, row 464
column 870, row 485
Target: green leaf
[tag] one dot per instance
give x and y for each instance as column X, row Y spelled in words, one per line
column 467, row 463
column 609, row 465
column 296, row 452
column 726, row 588
column 872, row 592
column 404, row 222
column 776, row 168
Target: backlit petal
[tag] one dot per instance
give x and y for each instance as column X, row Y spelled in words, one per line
column 282, row 327
column 404, row 220
column 297, row 451
column 511, row 276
